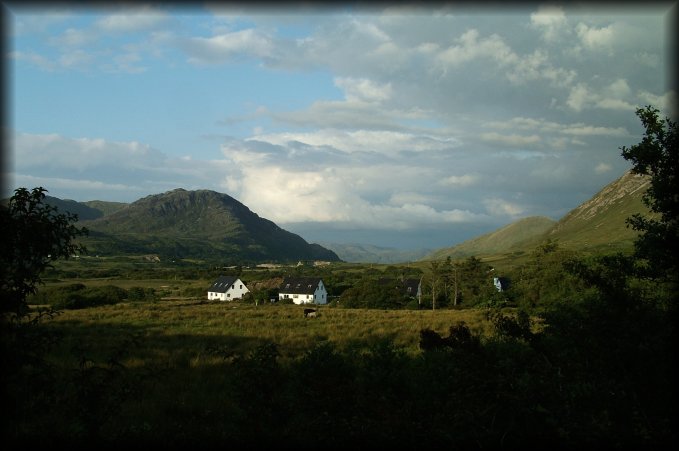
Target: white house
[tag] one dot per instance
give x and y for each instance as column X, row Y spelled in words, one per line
column 227, row 288
column 501, row 283
column 304, row 290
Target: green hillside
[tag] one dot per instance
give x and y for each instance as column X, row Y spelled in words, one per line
column 199, row 224
column 85, row 212
column 499, row 241
column 596, row 226
column 105, row 207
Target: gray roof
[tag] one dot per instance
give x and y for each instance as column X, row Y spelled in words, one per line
column 222, row 284
column 299, row 285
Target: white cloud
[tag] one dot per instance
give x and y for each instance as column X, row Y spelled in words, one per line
column 590, row 130
column 223, row 47
column 139, row 19
column 35, row 59
column 500, row 207
column 602, row 168
column 408, row 197
column 82, row 153
column 470, row 47
column 363, row 90
column 619, row 88
column 72, row 37
column 59, row 183
column 459, row 180
column 666, row 103
column 551, row 20
column 96, row 168
column 511, row 140
column 385, row 142
column 614, row 104
column 75, row 58
column 593, row 38
column 609, row 97
column 578, row 97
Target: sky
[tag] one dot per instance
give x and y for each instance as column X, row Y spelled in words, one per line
column 398, row 126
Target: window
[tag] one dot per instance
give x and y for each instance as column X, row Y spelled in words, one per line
column 228, row 295
column 241, row 287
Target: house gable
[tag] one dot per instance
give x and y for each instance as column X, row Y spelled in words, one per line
column 227, row 288
column 303, row 290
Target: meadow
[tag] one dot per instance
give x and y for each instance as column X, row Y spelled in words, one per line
column 174, row 369
column 180, row 332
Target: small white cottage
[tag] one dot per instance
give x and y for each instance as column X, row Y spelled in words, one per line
column 304, row 290
column 227, row 288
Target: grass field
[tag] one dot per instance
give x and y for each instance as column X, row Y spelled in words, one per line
column 182, row 331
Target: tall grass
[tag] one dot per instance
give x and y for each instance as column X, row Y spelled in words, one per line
column 192, row 369
column 188, row 327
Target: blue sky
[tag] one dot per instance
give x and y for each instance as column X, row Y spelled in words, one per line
column 403, row 127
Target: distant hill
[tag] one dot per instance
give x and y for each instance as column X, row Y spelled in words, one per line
column 598, row 225
column 367, row 253
column 105, row 207
column 84, row 211
column 196, row 224
column 498, row 241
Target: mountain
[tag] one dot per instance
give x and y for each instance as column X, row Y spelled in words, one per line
column 92, row 209
column 84, row 211
column 367, row 253
column 105, row 207
column 499, row 241
column 598, row 225
column 196, row 224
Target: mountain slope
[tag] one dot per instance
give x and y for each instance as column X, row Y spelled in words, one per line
column 498, row 241
column 105, row 207
column 84, row 211
column 367, row 253
column 201, row 224
column 598, row 225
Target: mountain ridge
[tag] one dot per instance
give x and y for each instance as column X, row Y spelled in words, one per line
column 499, row 240
column 197, row 224
column 596, row 225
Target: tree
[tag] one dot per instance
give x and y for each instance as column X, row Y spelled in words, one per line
column 451, row 280
column 475, row 284
column 656, row 155
column 436, row 276
column 34, row 234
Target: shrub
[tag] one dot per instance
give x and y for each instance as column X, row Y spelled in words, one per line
column 77, row 296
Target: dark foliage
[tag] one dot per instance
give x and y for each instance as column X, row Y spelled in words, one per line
column 34, row 234
column 657, row 155
column 78, row 296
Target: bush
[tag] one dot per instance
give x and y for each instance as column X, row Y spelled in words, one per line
column 141, row 294
column 77, row 296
